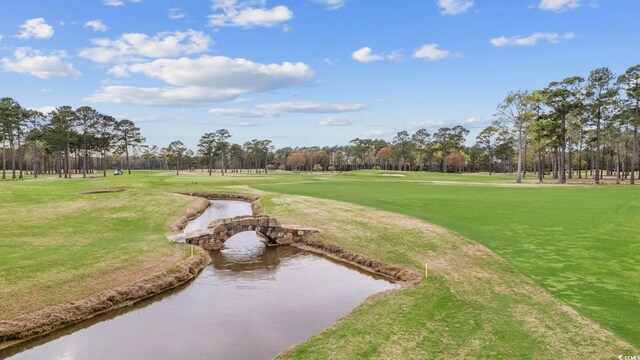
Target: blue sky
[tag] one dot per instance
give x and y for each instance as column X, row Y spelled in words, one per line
column 304, row 72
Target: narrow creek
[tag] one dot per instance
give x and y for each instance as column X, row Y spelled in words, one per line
column 251, row 302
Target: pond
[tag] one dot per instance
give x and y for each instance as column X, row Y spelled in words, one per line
column 251, row 302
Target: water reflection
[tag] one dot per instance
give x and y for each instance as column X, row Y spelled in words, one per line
column 250, row 303
column 242, row 253
column 218, row 210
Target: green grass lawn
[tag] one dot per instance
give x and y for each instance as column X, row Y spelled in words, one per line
column 381, row 175
column 473, row 304
column 580, row 243
column 58, row 245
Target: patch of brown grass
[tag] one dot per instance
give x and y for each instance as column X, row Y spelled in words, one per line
column 193, row 210
column 102, row 191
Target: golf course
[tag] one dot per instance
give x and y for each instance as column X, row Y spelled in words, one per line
column 528, row 271
column 319, row 179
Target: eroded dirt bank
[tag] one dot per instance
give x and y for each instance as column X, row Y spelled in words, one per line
column 193, row 211
column 406, row 276
column 58, row 316
column 252, row 199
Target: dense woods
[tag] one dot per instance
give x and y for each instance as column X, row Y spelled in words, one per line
column 579, row 127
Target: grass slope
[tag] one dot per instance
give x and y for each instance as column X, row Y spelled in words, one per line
column 58, row 245
column 580, row 243
column 472, row 305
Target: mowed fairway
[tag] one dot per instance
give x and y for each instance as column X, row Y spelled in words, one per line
column 580, row 243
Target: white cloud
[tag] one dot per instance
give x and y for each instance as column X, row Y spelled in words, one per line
column 235, row 123
column 137, row 46
column 277, row 109
column 176, row 13
column 474, row 120
column 310, row 107
column 531, row 40
column 431, row 52
column 424, row 124
column 332, row 4
column 96, row 25
column 1, row 37
column 44, row 109
column 117, row 3
column 36, row 28
column 224, row 72
column 240, row 113
column 477, row 122
column 158, row 96
column 394, row 55
column 366, row 55
column 33, row 62
column 454, row 7
column 375, row 133
column 204, row 80
column 559, row 5
column 338, row 121
column 182, row 119
column 247, row 13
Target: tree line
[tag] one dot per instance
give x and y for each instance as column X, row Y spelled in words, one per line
column 584, row 127
column 64, row 141
column 576, row 127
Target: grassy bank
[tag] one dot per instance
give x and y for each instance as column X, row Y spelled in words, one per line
column 580, row 243
column 473, row 304
column 59, row 245
column 60, row 241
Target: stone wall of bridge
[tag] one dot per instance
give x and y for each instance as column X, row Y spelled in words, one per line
column 274, row 234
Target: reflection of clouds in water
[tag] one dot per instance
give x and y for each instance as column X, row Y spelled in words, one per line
column 252, row 302
column 66, row 356
column 243, row 247
column 245, row 257
column 219, row 209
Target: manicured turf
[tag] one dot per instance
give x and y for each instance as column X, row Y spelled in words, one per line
column 472, row 305
column 58, row 245
column 580, row 243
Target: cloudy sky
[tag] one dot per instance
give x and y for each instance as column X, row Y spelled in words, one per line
column 306, row 71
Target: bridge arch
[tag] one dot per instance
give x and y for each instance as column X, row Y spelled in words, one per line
column 275, row 234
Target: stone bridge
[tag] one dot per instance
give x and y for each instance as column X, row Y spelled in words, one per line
column 275, row 234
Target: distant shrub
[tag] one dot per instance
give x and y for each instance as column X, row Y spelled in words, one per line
column 331, row 168
column 283, row 167
column 271, row 167
column 317, row 167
